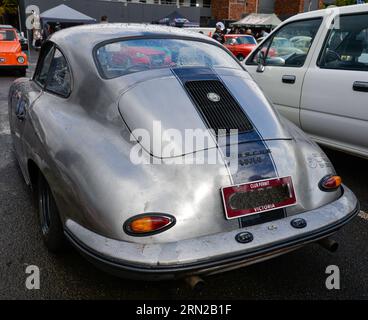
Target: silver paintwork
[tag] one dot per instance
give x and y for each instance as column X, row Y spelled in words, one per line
column 213, row 247
column 82, row 145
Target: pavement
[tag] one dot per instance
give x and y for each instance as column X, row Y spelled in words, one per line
column 297, row 275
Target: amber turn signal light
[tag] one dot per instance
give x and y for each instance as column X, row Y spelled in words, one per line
column 148, row 224
column 330, row 183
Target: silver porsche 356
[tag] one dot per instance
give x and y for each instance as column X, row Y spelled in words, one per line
column 157, row 156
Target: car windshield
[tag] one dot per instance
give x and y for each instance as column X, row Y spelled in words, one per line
column 7, row 35
column 125, row 57
column 241, row 40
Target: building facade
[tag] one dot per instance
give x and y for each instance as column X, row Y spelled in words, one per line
column 135, row 11
column 204, row 12
column 236, row 9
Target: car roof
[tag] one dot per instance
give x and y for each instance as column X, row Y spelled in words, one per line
column 330, row 11
column 8, row 29
column 238, row 35
column 96, row 33
column 6, row 26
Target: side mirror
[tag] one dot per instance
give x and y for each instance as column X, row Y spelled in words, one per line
column 261, row 62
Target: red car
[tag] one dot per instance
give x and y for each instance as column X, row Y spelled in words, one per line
column 240, row 45
column 133, row 56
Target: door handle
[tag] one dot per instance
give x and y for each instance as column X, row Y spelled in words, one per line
column 360, row 86
column 288, row 79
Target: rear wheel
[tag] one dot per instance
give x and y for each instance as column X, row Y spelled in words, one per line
column 50, row 223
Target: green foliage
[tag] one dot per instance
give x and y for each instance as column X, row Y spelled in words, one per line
column 346, row 2
column 8, row 7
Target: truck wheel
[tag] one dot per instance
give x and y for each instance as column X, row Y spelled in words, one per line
column 240, row 57
column 50, row 223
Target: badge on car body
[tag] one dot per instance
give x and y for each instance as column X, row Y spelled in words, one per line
column 214, row 97
column 298, row 223
column 244, row 237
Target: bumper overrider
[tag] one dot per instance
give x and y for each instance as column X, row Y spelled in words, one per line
column 214, row 253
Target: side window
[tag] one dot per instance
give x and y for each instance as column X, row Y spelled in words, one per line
column 290, row 45
column 59, row 77
column 263, row 48
column 347, row 44
column 43, row 66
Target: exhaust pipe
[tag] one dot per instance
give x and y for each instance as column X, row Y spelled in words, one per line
column 195, row 283
column 329, row 244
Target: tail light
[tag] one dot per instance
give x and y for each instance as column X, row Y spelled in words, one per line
column 330, row 183
column 148, row 224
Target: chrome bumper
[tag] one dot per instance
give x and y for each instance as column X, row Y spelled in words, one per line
column 214, row 253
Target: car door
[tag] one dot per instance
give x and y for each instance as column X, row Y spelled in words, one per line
column 334, row 108
column 285, row 65
column 23, row 98
column 55, row 81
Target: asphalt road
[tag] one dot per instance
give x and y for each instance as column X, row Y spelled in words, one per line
column 298, row 275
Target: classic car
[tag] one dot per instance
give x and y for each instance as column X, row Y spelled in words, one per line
column 240, row 45
column 22, row 39
column 11, row 55
column 117, row 164
column 323, row 89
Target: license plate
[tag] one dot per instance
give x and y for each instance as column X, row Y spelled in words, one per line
column 257, row 197
column 2, row 60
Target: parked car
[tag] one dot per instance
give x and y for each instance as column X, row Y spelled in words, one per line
column 302, row 43
column 323, row 89
column 240, row 45
column 11, row 55
column 138, row 57
column 84, row 133
column 22, row 39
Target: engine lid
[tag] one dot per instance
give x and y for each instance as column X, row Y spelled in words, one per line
column 190, row 109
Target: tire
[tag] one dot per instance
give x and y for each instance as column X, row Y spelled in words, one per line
column 22, row 72
column 240, row 57
column 49, row 218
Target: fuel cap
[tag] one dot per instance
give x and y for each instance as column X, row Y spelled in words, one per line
column 244, row 237
column 298, row 223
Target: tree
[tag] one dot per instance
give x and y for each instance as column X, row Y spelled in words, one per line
column 8, row 7
column 346, row 2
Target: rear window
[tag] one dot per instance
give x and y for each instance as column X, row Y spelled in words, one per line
column 7, row 35
column 129, row 56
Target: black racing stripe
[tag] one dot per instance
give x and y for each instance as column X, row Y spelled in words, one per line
column 255, row 161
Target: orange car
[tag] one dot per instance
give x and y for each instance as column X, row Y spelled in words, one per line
column 11, row 55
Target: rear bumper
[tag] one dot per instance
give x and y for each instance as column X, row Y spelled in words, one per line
column 211, row 254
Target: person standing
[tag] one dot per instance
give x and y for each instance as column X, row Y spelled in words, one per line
column 219, row 33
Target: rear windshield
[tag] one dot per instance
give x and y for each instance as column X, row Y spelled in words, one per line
column 7, row 35
column 129, row 56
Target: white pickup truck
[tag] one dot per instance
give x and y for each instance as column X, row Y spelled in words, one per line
column 314, row 68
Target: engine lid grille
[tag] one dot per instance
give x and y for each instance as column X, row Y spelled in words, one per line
column 217, row 106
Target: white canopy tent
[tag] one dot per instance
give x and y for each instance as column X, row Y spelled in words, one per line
column 261, row 20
